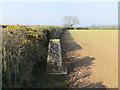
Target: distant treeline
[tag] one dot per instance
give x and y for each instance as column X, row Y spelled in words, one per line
column 106, row 27
column 92, row 27
column 66, row 28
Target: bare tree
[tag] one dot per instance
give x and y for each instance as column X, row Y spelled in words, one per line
column 70, row 21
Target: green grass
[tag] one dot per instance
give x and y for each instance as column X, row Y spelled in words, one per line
column 96, row 29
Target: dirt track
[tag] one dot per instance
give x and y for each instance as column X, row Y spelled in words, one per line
column 92, row 58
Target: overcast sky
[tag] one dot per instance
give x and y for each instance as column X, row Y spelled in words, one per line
column 52, row 13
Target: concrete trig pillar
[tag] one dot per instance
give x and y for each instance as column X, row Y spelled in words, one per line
column 54, row 59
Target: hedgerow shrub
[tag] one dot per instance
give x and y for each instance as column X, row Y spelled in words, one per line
column 23, row 47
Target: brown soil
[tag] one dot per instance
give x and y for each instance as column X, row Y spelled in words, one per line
column 91, row 57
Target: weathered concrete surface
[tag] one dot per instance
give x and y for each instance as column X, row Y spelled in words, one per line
column 54, row 60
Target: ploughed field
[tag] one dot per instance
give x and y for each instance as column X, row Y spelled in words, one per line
column 93, row 57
